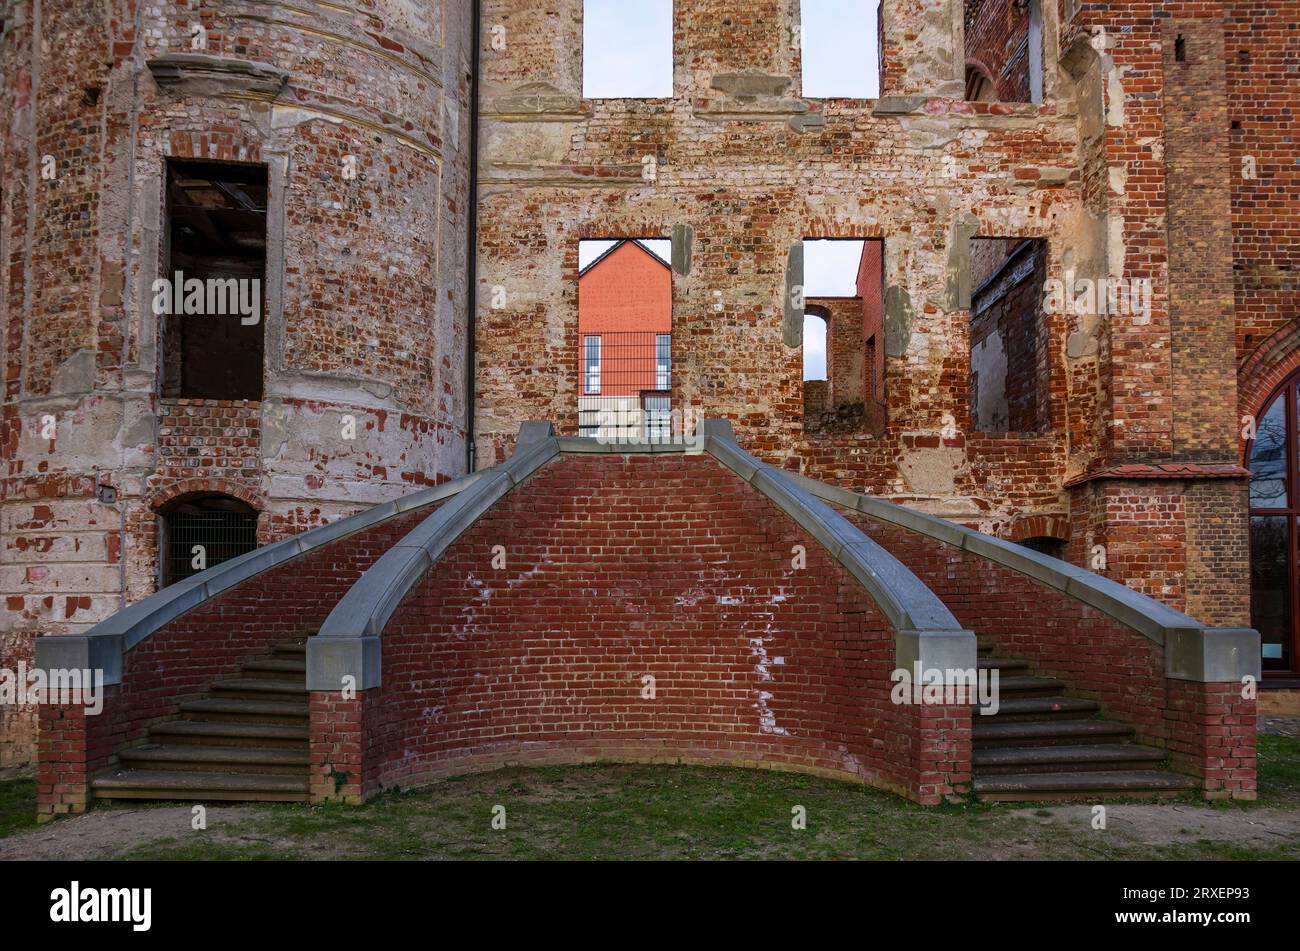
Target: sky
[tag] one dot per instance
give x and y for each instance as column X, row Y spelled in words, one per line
column 589, row 250
column 830, row 269
column 627, row 49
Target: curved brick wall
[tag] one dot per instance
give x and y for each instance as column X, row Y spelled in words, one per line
column 621, row 566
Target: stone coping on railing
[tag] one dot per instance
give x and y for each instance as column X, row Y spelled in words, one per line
column 1192, row 650
column 103, row 647
column 347, row 652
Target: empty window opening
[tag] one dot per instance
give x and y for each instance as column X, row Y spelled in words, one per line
column 1180, row 48
column 200, row 532
column 627, row 49
column 839, row 47
column 1046, row 545
column 210, row 295
column 625, row 323
column 816, row 387
column 843, row 373
column 1009, row 347
column 1004, row 45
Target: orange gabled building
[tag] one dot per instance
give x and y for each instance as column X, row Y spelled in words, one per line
column 625, row 321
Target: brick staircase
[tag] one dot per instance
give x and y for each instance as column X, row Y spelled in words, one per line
column 1042, row 744
column 246, row 741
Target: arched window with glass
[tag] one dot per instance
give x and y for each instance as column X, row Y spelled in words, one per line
column 1274, row 457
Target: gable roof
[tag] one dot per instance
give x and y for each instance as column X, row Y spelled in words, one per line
column 614, row 247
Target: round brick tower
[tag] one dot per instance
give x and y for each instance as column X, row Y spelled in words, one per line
column 306, row 171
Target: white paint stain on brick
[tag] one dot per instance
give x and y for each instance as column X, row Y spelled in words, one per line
column 766, row 717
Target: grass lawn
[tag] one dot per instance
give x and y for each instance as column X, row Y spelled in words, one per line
column 612, row 811
column 17, row 805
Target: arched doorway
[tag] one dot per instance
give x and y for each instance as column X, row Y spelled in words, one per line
column 1274, row 459
column 200, row 531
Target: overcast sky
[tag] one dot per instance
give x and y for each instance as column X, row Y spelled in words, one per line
column 588, row 251
column 627, row 49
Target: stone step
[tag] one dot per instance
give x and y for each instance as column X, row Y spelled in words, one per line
column 121, row 783
column 291, row 649
column 277, row 668
column 240, row 710
column 989, row 732
column 1029, row 787
column 1015, row 685
column 1004, row 665
column 254, row 688
column 226, row 733
column 1041, row 708
column 1007, row 760
column 216, row 759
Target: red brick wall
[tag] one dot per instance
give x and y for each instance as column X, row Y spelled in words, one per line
column 16, row 748
column 1264, row 125
column 180, row 661
column 336, row 746
column 1182, row 541
column 1209, row 729
column 996, row 34
column 629, row 290
column 1212, row 735
column 1199, row 181
column 622, row 566
column 1018, row 617
column 1011, row 311
column 870, row 286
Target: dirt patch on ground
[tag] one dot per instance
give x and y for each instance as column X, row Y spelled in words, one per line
column 106, row 833
column 1279, row 726
column 1162, row 825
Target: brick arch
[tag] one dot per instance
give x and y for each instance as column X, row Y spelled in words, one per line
column 1040, row 526
column 974, row 64
column 233, row 144
column 1264, row 371
column 818, row 228
column 162, row 497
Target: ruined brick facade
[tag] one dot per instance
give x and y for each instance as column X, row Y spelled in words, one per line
column 1163, row 151
column 1111, row 171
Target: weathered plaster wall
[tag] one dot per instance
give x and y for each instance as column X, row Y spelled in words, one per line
column 365, row 299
